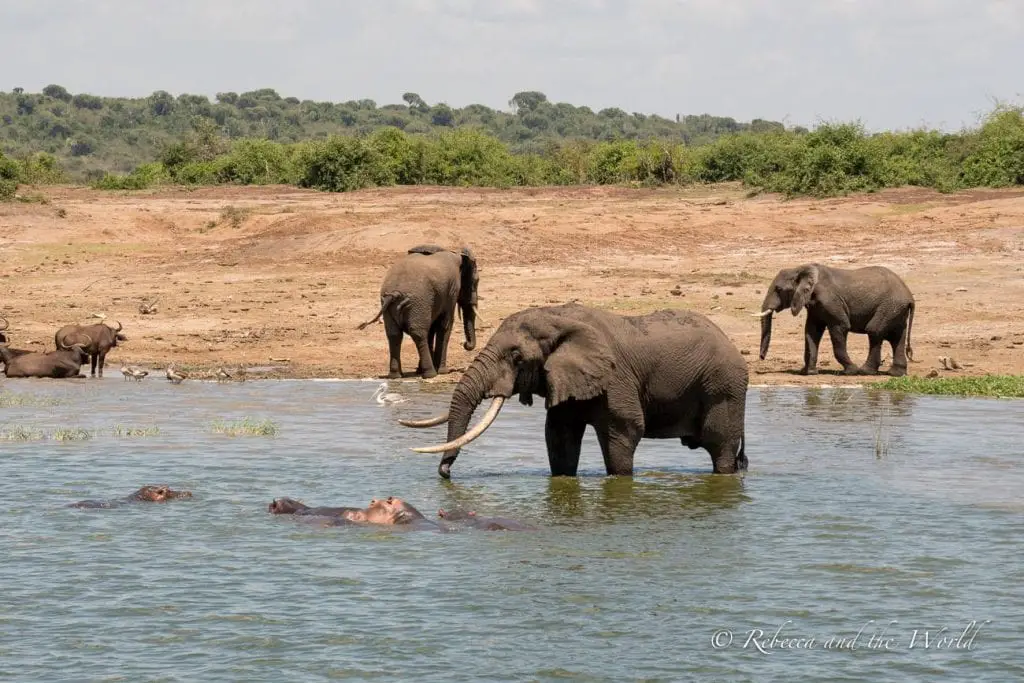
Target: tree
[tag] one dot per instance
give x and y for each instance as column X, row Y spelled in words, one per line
column 527, row 101
column 161, row 102
column 442, row 115
column 57, row 92
column 415, row 102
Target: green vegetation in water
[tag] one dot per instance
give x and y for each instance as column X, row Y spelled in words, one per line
column 10, row 399
column 997, row 386
column 258, row 137
column 245, row 427
column 123, row 431
column 21, row 433
column 72, row 434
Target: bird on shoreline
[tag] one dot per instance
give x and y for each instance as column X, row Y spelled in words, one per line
column 388, row 398
column 172, row 376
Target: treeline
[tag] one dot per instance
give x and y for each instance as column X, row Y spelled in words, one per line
column 91, row 134
column 829, row 160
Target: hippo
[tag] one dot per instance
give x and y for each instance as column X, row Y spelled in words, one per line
column 151, row 493
column 389, row 511
column 486, row 523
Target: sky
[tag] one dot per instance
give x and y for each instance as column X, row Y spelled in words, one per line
column 892, row 64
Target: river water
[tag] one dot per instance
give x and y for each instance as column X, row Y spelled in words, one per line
column 888, row 529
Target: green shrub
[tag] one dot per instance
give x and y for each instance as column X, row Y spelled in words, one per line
column 997, row 159
column 142, row 178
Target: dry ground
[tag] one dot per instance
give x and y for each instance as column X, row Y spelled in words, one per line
column 250, row 276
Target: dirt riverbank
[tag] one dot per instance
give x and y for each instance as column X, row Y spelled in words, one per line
column 276, row 279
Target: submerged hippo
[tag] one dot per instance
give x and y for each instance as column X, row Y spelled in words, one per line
column 147, row 494
column 389, row 511
column 487, row 523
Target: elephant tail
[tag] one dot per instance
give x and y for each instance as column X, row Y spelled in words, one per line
column 910, row 325
column 385, row 302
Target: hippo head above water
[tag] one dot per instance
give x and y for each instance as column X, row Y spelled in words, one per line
column 391, row 510
column 285, row 506
column 159, row 494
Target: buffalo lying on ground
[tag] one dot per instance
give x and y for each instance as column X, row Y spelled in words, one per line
column 66, row 362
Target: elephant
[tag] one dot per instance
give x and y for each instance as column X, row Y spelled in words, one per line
column 872, row 300
column 59, row 364
column 667, row 374
column 102, row 338
column 419, row 296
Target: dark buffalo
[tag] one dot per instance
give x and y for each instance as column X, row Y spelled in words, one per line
column 57, row 364
column 101, row 338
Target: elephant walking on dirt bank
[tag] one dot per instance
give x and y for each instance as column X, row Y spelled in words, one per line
column 419, row 298
column 872, row 300
column 665, row 375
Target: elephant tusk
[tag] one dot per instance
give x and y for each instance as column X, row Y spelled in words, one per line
column 428, row 422
column 762, row 313
column 489, row 417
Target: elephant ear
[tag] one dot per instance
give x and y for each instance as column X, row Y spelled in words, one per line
column 468, row 273
column 806, row 280
column 579, row 365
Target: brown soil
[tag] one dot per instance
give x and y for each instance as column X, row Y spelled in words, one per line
column 248, row 276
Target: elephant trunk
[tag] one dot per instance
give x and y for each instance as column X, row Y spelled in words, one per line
column 469, row 326
column 766, row 332
column 467, row 395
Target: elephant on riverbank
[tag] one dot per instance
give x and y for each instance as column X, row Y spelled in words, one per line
column 872, row 300
column 419, row 297
column 664, row 375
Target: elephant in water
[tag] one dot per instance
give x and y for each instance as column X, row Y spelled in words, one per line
column 419, row 296
column 664, row 375
column 872, row 300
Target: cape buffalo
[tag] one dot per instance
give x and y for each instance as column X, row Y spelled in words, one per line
column 102, row 338
column 57, row 364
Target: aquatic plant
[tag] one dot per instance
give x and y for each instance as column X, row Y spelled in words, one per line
column 123, row 431
column 995, row 386
column 247, row 426
column 10, row 399
column 21, row 433
column 71, row 434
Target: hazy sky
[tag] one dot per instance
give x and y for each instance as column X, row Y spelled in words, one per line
column 891, row 63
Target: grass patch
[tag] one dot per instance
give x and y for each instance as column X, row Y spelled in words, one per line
column 72, row 434
column 996, row 386
column 244, row 427
column 234, row 215
column 20, row 433
column 10, row 399
column 123, row 431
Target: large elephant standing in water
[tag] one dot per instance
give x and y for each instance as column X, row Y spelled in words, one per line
column 419, row 296
column 668, row 374
column 872, row 300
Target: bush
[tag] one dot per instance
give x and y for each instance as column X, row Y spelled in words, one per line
column 9, row 173
column 142, row 178
column 41, row 169
column 343, row 163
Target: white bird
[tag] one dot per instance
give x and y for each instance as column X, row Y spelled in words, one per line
column 223, row 375
column 138, row 373
column 387, row 398
column 174, row 376
column 127, row 372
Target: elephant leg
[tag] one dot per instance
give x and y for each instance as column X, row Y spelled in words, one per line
column 722, row 437
column 619, row 440
column 837, row 333
column 874, row 360
column 564, row 438
column 423, row 349
column 813, row 331
column 898, row 341
column 394, row 335
column 442, row 359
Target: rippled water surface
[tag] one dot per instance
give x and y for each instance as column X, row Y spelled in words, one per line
column 861, row 511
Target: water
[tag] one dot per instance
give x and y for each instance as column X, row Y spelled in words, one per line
column 860, row 509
